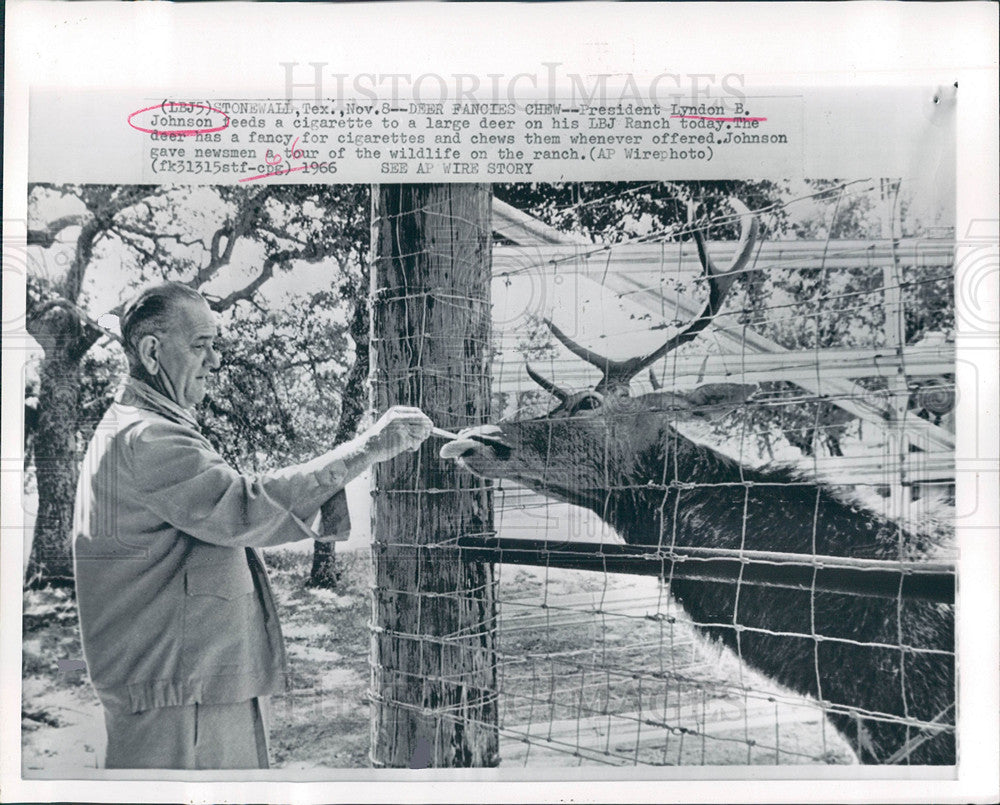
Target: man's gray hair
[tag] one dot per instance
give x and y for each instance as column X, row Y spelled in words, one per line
column 150, row 313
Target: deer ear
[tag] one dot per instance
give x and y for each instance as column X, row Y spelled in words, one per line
column 715, row 400
column 711, row 401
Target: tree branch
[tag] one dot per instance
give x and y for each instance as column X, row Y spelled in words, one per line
column 310, row 254
column 248, row 290
column 47, row 236
column 249, row 216
column 81, row 260
column 217, row 260
column 132, row 242
column 278, row 233
column 154, row 236
column 129, row 195
column 104, row 203
column 73, row 308
column 213, row 249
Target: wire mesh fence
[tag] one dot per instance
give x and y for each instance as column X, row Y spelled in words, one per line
column 736, row 551
column 616, row 675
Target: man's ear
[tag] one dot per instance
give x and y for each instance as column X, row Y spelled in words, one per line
column 149, row 353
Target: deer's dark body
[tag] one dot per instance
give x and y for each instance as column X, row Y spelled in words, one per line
column 876, row 661
column 731, row 507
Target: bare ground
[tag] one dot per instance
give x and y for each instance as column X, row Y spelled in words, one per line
column 594, row 669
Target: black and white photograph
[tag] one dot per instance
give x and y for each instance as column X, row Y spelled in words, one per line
column 663, row 475
column 449, row 417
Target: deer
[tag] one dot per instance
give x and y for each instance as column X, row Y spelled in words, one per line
column 882, row 667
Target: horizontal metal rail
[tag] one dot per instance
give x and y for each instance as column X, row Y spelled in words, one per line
column 924, row 581
column 619, row 268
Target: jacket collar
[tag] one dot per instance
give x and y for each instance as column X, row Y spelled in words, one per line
column 135, row 393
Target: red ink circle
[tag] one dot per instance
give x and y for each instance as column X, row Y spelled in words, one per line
column 181, row 132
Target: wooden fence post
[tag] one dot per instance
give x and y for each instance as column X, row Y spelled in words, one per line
column 434, row 691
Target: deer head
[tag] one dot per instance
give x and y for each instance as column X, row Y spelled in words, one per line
column 622, row 457
column 594, row 438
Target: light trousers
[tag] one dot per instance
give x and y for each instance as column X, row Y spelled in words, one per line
column 193, row 736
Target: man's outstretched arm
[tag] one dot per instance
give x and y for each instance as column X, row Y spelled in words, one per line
column 192, row 487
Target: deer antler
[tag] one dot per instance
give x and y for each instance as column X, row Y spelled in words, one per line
column 561, row 394
column 617, row 374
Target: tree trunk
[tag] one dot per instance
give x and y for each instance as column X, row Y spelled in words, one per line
column 434, row 679
column 324, row 572
column 56, row 456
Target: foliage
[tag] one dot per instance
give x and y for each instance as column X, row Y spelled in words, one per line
column 276, row 399
column 613, row 212
column 279, row 393
column 796, row 306
column 804, row 307
column 101, row 370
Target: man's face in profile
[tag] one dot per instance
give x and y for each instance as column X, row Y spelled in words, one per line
column 187, row 352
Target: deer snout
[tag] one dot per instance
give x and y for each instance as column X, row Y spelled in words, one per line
column 485, row 441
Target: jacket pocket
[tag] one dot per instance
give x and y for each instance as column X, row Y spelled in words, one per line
column 219, row 616
column 224, row 580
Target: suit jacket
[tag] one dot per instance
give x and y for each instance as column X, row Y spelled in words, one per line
column 174, row 601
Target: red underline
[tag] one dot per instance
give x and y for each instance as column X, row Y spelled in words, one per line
column 723, row 119
column 266, row 175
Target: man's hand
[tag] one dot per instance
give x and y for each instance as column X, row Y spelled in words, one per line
column 399, row 429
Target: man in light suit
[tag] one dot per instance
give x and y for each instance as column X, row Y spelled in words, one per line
column 179, row 625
